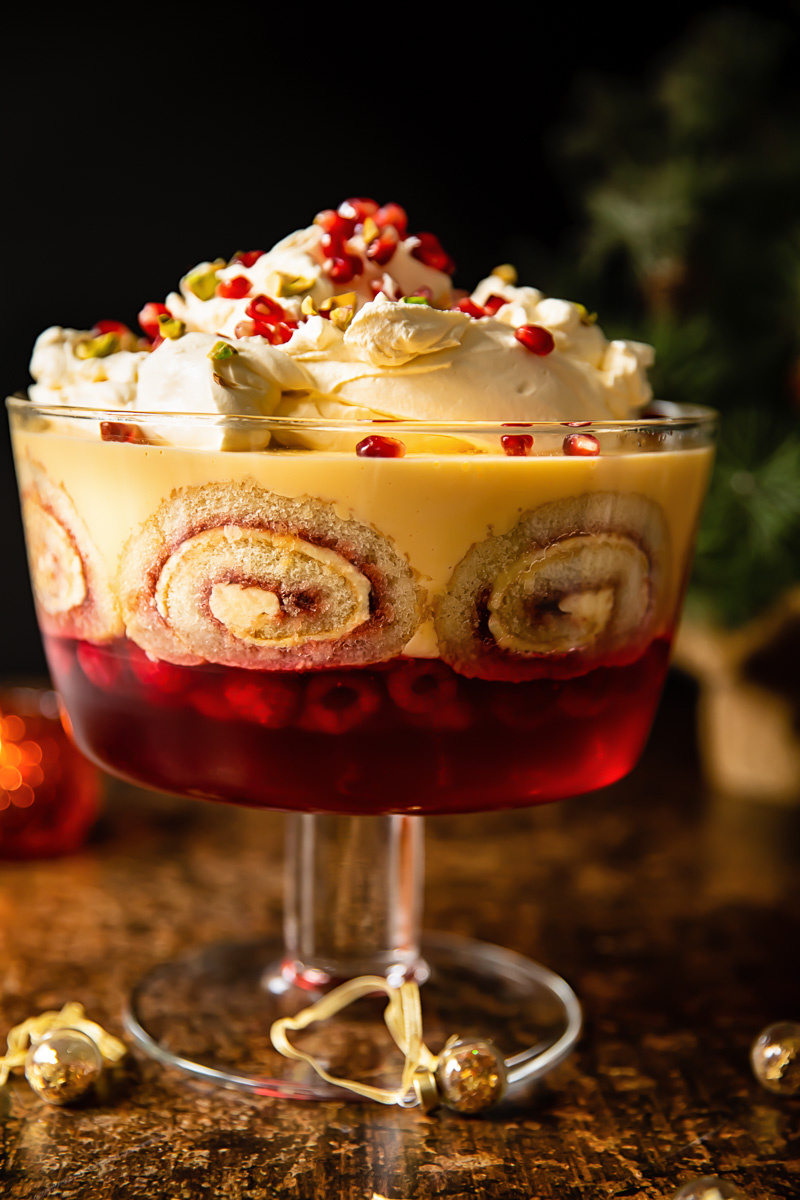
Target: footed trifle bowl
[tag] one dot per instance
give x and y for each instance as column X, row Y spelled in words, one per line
column 263, row 578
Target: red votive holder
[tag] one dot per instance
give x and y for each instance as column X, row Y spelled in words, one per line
column 49, row 793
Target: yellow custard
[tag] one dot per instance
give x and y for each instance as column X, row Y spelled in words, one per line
column 433, row 509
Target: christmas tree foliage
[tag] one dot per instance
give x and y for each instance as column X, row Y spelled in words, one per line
column 689, row 238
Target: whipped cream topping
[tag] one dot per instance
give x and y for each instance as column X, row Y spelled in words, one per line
column 400, row 350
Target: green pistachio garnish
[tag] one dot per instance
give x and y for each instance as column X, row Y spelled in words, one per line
column 170, row 327
column 370, row 231
column 308, row 308
column 221, row 350
column 342, row 315
column 293, row 285
column 507, row 273
column 203, row 282
column 97, row 347
column 415, row 300
column 586, row 318
column 344, row 300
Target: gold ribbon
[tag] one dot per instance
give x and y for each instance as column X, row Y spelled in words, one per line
column 403, row 1017
column 71, row 1016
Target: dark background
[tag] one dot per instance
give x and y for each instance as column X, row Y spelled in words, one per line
column 138, row 142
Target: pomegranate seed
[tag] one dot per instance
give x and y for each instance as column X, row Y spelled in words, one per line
column 98, row 664
column 535, row 338
column 276, row 335
column 148, row 318
column 118, row 431
column 101, row 327
column 392, row 214
column 382, row 249
column 247, row 257
column 341, row 269
column 358, row 208
column 575, row 424
column 493, row 304
column 469, row 307
column 516, row 445
column 429, row 251
column 584, row 445
column 233, row 289
column 245, row 329
column 264, row 310
column 376, row 446
column 334, row 224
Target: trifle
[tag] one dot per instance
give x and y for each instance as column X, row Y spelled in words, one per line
column 331, row 536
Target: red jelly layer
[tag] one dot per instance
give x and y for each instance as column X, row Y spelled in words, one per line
column 408, row 736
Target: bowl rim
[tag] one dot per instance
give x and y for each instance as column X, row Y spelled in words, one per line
column 672, row 416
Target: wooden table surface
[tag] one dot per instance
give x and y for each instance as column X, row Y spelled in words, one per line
column 674, row 914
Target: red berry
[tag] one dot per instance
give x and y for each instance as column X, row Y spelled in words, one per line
column 267, row 700
column 247, row 257
column 358, row 208
column 382, row 248
column 334, row 224
column 158, row 676
column 517, row 445
column 99, row 664
column 376, row 446
column 233, row 289
column 584, row 445
column 535, row 338
column 469, row 307
column 338, row 703
column 392, row 214
column 148, row 318
column 429, row 251
column 422, row 685
column 493, row 304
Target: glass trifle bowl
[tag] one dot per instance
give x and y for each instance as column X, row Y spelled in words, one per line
column 359, row 619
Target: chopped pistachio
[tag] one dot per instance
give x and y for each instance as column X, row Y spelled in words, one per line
column 415, row 300
column 370, row 231
column 308, row 308
column 342, row 315
column 293, row 285
column 507, row 273
column 344, row 300
column 97, row 347
column 221, row 350
column 586, row 318
column 203, row 283
column 170, row 327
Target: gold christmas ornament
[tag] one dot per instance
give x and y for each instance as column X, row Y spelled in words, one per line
column 709, row 1187
column 471, row 1075
column 468, row 1076
column 775, row 1058
column 63, row 1066
column 62, row 1053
